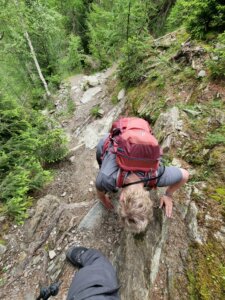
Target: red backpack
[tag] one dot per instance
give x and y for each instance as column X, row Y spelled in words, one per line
column 136, row 149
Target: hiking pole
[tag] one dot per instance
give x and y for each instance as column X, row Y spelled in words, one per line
column 52, row 290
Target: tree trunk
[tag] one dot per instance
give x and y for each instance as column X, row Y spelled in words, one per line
column 128, row 20
column 33, row 54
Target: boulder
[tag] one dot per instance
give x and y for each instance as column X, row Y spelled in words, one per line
column 167, row 127
column 93, row 218
column 138, row 258
column 90, row 93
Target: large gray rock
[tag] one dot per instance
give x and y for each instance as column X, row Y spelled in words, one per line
column 45, row 210
column 193, row 224
column 97, row 129
column 167, row 127
column 138, row 259
column 90, row 93
column 93, row 218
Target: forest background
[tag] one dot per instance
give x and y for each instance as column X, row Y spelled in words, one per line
column 44, row 42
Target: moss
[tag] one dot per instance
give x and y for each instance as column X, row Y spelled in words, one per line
column 206, row 272
column 113, row 88
column 192, row 153
column 139, row 237
column 215, row 193
column 216, row 137
column 147, row 101
column 219, row 195
column 2, row 242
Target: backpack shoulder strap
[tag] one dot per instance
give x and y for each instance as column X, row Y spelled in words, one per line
column 105, row 146
column 153, row 179
column 120, row 178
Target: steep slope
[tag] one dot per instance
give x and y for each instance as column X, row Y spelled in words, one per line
column 181, row 258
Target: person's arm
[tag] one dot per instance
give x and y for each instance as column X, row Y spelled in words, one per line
column 167, row 198
column 105, row 199
column 167, row 201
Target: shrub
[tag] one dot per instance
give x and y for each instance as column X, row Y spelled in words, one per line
column 95, row 111
column 27, row 140
column 132, row 68
column 74, row 55
column 217, row 63
column 52, row 146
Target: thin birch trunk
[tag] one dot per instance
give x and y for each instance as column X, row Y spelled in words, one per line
column 33, row 54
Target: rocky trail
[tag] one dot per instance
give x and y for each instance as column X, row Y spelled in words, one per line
column 150, row 266
column 35, row 254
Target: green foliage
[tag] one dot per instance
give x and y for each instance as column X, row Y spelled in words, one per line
column 206, row 273
column 57, row 51
column 216, row 138
column 27, row 140
column 217, row 63
column 219, row 195
column 95, row 111
column 199, row 17
column 132, row 69
column 52, row 146
column 157, row 12
column 111, row 24
column 72, row 60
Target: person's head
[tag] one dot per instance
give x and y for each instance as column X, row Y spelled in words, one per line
column 135, row 208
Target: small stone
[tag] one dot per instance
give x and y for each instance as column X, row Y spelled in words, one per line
column 25, row 274
column 52, row 254
column 63, row 194
column 2, row 218
column 92, row 182
column 101, row 112
column 72, row 159
column 93, row 80
column 121, row 95
column 176, row 162
column 202, row 73
column 205, row 151
column 2, row 249
column 36, row 260
column 90, row 189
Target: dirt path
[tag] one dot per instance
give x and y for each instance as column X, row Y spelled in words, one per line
column 36, row 251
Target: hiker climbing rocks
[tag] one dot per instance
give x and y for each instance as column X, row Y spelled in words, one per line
column 129, row 158
column 96, row 278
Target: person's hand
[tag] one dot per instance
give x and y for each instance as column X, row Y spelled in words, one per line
column 107, row 202
column 167, row 201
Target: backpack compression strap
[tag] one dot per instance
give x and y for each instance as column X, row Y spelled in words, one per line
column 144, row 179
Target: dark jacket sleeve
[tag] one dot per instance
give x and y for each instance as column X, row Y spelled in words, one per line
column 96, row 280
